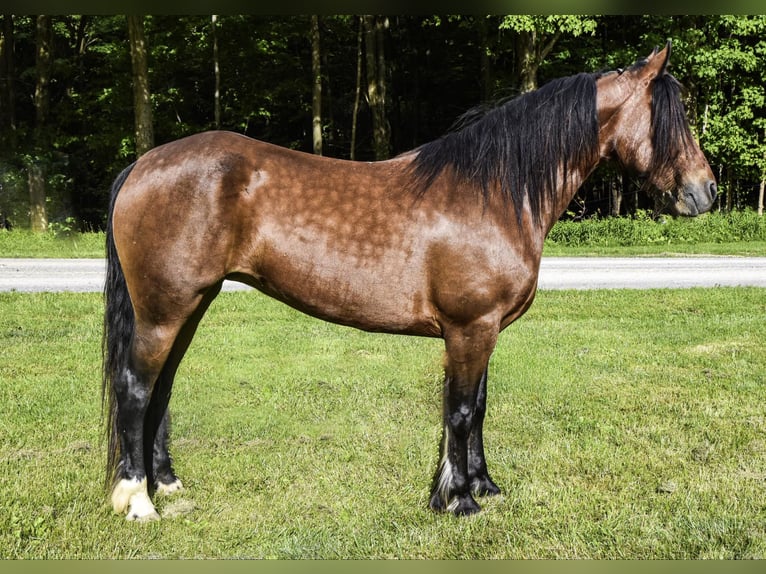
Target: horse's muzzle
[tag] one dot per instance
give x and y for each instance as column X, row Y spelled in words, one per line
column 696, row 198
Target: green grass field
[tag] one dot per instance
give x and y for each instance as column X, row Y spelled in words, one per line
column 24, row 243
column 621, row 424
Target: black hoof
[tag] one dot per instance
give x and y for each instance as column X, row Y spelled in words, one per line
column 436, row 503
column 460, row 505
column 464, row 505
column 483, row 486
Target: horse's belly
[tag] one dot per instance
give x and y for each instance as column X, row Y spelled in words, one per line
column 382, row 294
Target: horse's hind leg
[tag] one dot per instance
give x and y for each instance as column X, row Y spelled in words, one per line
column 142, row 392
column 468, row 351
column 165, row 480
column 133, row 388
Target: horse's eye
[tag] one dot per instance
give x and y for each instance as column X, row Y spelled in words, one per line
column 620, row 71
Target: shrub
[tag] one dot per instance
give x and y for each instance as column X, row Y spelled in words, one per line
column 641, row 229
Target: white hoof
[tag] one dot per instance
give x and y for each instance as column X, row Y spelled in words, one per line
column 142, row 511
column 131, row 497
column 168, row 489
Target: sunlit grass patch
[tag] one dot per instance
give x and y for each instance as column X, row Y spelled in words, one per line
column 621, row 424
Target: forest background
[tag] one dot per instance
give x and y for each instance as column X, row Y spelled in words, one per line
column 81, row 96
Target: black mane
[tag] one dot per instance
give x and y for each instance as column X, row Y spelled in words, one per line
column 671, row 136
column 518, row 146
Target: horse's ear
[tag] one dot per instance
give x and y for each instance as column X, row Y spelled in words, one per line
column 656, row 63
column 666, row 59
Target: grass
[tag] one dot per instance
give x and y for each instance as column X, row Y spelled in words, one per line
column 621, row 424
column 737, row 248
column 24, row 243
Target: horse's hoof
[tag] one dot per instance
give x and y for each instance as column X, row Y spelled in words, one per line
column 141, row 509
column 131, row 497
column 436, row 503
column 484, row 487
column 135, row 517
column 463, row 505
column 168, row 489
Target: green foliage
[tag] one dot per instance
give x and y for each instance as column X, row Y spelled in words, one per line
column 437, row 68
column 575, row 25
column 736, row 226
column 733, row 128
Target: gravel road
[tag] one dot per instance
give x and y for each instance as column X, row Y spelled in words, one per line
column 32, row 275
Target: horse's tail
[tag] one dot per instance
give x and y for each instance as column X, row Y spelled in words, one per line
column 119, row 326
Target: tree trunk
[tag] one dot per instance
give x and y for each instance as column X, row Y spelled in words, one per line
column 328, row 117
column 485, row 63
column 531, row 51
column 36, row 174
column 615, row 188
column 7, row 105
column 376, row 83
column 316, row 97
column 7, row 89
column 358, row 92
column 729, row 191
column 629, row 195
column 38, row 216
column 762, row 184
column 217, row 73
column 142, row 104
column 526, row 61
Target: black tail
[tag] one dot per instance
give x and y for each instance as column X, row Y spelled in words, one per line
column 119, row 326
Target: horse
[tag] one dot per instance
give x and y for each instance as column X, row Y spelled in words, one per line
column 442, row 241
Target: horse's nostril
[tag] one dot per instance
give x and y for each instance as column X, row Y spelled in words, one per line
column 713, row 190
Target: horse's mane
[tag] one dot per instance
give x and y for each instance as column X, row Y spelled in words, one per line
column 671, row 136
column 517, row 148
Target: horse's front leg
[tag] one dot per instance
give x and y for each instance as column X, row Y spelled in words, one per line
column 468, row 351
column 481, row 483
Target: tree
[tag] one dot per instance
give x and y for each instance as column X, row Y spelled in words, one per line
column 142, row 103
column 357, row 88
column 255, row 75
column 316, row 98
column 7, row 86
column 485, row 51
column 536, row 36
column 216, row 74
column 733, row 124
column 36, row 165
column 375, row 27
column 7, row 111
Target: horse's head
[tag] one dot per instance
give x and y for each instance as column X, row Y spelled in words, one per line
column 642, row 124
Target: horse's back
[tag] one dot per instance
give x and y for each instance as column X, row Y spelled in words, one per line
column 330, row 237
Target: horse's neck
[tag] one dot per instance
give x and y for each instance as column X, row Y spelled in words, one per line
column 554, row 210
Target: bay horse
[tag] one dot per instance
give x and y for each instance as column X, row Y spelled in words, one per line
column 442, row 241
